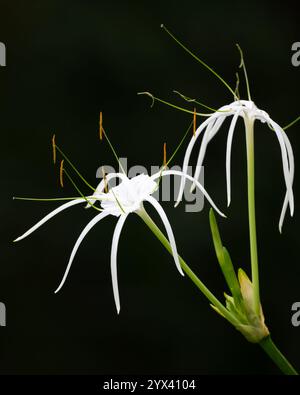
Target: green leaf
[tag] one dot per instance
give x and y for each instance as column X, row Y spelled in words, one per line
column 224, row 260
column 231, row 278
column 216, row 237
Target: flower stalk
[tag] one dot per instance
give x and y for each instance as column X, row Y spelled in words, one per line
column 187, row 270
column 277, row 357
column 249, row 129
column 266, row 343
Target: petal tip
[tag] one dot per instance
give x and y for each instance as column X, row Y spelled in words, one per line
column 177, row 203
column 57, row 289
column 192, row 188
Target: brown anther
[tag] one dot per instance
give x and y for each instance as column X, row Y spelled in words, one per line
column 194, row 122
column 165, row 154
column 54, row 149
column 100, row 126
column 61, row 170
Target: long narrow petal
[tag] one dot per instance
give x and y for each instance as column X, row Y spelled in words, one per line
column 113, row 260
column 101, row 186
column 228, row 155
column 210, row 133
column 197, row 183
column 279, row 133
column 82, row 235
column 193, row 140
column 168, row 228
column 49, row 216
column 188, row 154
column 292, row 171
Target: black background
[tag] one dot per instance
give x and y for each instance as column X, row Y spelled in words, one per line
column 68, row 60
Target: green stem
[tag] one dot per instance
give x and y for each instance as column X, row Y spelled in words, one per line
column 277, row 357
column 188, row 271
column 249, row 123
column 267, row 344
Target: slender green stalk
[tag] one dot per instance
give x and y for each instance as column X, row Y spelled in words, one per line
column 198, row 59
column 173, row 105
column 249, row 124
column 267, row 344
column 277, row 357
column 199, row 284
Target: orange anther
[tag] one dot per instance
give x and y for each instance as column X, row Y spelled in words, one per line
column 165, row 154
column 61, row 170
column 100, row 126
column 54, row 149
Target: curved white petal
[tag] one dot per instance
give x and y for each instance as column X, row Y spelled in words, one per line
column 189, row 149
column 228, row 155
column 168, row 228
column 113, row 260
column 292, row 171
column 82, row 235
column 102, row 185
column 210, row 133
column 197, row 183
column 279, row 133
column 50, row 215
column 188, row 154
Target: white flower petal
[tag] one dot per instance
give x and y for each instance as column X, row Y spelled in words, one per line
column 197, row 183
column 279, row 133
column 292, row 171
column 210, row 133
column 50, row 215
column 168, row 228
column 113, row 260
column 188, row 154
column 82, row 235
column 230, row 108
column 228, row 155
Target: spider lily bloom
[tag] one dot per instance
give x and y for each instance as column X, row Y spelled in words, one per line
column 247, row 110
column 120, row 201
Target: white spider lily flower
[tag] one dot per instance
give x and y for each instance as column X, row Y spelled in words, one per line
column 120, row 201
column 247, row 110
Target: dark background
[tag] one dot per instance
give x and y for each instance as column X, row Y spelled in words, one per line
column 68, row 60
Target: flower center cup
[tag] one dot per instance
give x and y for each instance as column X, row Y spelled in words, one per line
column 128, row 196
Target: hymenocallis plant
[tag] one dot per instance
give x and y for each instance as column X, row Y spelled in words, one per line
column 242, row 306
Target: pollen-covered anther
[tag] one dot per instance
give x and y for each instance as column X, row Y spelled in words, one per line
column 61, row 171
column 165, row 154
column 101, row 126
column 194, row 122
column 54, row 149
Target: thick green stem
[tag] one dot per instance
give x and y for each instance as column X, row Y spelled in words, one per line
column 277, row 357
column 267, row 344
column 249, row 123
column 199, row 284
